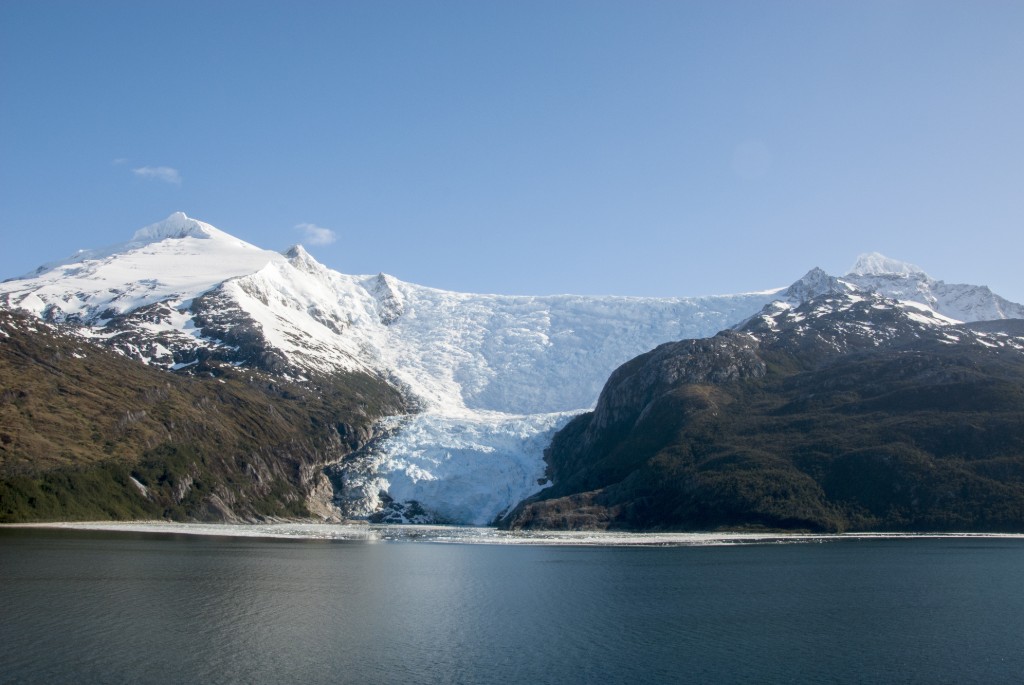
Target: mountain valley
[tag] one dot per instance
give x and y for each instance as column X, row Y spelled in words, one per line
column 397, row 402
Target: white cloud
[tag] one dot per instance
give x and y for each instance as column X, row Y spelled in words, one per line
column 161, row 173
column 317, row 235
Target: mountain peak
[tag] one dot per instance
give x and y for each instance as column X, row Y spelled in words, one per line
column 177, row 225
column 297, row 251
column 815, row 282
column 877, row 264
column 303, row 261
column 391, row 304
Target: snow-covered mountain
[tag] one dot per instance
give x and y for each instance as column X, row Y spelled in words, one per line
column 493, row 375
column 902, row 281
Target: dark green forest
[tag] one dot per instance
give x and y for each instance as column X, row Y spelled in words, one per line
column 915, row 434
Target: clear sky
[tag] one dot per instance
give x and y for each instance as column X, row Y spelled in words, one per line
column 511, row 146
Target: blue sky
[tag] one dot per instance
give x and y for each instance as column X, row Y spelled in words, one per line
column 636, row 148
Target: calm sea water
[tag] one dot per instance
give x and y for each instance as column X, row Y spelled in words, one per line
column 89, row 607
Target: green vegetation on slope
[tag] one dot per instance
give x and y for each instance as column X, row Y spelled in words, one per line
column 917, row 436
column 88, row 434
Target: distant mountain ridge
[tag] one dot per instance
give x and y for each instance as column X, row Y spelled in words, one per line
column 902, row 281
column 492, row 377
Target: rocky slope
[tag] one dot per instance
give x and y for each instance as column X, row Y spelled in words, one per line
column 86, row 433
column 847, row 412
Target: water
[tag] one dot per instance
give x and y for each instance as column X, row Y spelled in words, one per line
column 86, row 606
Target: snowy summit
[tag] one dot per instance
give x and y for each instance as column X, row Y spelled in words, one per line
column 177, row 225
column 875, row 264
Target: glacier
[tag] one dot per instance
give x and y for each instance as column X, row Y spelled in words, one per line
column 492, row 376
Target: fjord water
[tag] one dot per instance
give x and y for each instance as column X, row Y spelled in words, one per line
column 83, row 606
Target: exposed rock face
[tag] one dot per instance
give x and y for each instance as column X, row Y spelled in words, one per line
column 391, row 304
column 630, row 397
column 847, row 412
column 724, row 358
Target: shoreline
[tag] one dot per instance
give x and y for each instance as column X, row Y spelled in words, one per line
column 368, row 532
